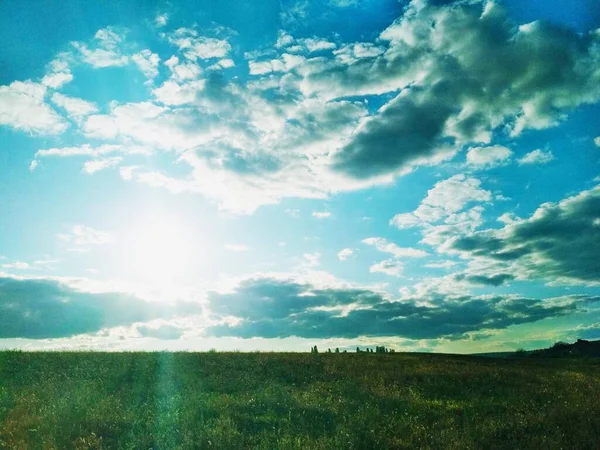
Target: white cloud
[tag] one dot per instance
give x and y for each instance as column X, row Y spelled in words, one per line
column 295, row 213
column 311, row 259
column 389, row 267
column 441, row 265
column 58, row 73
column 88, row 150
column 237, row 247
column 385, row 246
column 181, row 71
column 82, row 238
column 20, row 265
column 91, row 167
column 345, row 253
column 321, row 214
column 175, row 94
column 199, row 47
column 33, row 165
column 597, row 141
column 536, row 157
column 445, row 198
column 316, row 44
column 76, row 108
column 161, row 20
column 488, row 157
column 147, row 62
column 105, row 53
column 22, row 107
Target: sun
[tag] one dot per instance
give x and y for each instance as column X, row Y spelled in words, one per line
column 159, row 250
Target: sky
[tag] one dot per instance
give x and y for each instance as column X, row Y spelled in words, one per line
column 423, row 174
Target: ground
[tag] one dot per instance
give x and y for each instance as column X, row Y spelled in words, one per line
column 296, row 401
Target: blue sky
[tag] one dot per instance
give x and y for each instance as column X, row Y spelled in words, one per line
column 192, row 175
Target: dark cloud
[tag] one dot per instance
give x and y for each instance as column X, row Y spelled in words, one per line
column 272, row 308
column 410, row 127
column 465, row 70
column 558, row 242
column 492, row 280
column 266, row 297
column 39, row 309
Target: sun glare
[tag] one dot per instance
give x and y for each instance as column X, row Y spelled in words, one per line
column 159, row 251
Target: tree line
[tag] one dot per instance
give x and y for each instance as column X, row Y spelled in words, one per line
column 378, row 349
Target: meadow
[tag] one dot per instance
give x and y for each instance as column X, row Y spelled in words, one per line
column 296, row 401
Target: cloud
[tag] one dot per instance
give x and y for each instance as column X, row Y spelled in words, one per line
column 22, row 107
column 443, row 200
column 321, row 214
column 446, row 78
column 311, row 260
column 536, row 157
column 196, row 47
column 275, row 308
column 147, row 62
column 96, row 165
column 82, row 238
column 389, row 267
column 488, row 157
column 43, row 308
column 33, row 165
column 76, row 108
column 295, row 213
column 345, row 253
column 58, row 73
column 88, row 150
column 106, row 52
column 383, row 245
column 20, row 265
column 558, row 242
column 237, row 247
column 161, row 20
column 164, row 332
column 597, row 141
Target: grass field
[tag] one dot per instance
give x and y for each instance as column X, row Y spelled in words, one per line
column 299, row 401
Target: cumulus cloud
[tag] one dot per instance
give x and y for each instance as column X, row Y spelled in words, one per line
column 96, row 165
column 391, row 267
column 488, row 157
column 443, row 200
column 76, row 108
column 58, row 73
column 147, row 62
column 196, row 47
column 447, row 79
column 274, row 308
column 383, row 245
column 43, row 308
column 161, row 20
column 105, row 50
column 536, row 157
column 23, row 107
column 321, row 214
column 558, row 242
column 345, row 253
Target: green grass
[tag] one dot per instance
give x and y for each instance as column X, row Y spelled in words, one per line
column 295, row 401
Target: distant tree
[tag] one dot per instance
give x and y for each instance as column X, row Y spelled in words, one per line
column 357, row 349
column 392, row 350
column 337, row 350
column 314, row 349
column 328, row 350
column 345, row 351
